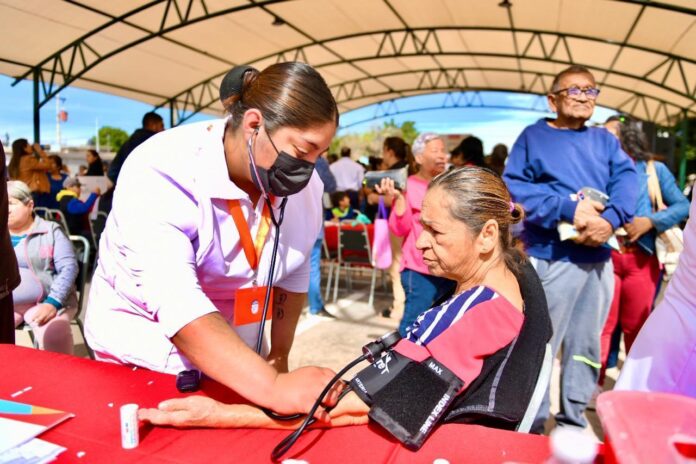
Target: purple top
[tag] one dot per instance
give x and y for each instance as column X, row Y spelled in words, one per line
column 170, row 251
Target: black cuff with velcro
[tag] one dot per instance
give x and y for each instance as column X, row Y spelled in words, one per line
column 374, row 377
column 414, row 399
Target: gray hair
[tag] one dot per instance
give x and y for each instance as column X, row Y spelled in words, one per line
column 574, row 69
column 422, row 140
column 19, row 191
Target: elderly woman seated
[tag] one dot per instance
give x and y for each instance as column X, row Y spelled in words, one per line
column 475, row 356
column 45, row 299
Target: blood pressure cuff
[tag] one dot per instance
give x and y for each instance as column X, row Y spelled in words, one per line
column 407, row 398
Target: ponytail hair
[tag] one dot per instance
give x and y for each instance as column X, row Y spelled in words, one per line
column 290, row 94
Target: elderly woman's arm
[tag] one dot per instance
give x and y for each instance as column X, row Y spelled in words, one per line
column 65, row 272
column 401, row 218
column 201, row 411
column 65, row 265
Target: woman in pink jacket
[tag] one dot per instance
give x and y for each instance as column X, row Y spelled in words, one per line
column 421, row 288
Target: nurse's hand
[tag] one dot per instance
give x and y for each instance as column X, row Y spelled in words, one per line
column 297, row 391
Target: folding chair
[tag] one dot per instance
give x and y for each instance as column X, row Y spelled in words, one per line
column 542, row 384
column 57, row 215
column 41, row 211
column 82, row 250
column 98, row 224
column 330, row 260
column 354, row 250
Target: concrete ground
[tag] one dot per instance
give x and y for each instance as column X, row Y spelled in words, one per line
column 334, row 342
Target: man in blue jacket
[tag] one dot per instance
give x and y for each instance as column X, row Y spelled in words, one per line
column 549, row 163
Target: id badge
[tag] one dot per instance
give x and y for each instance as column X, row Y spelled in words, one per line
column 248, row 305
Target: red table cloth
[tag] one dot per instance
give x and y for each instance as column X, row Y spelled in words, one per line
column 94, row 391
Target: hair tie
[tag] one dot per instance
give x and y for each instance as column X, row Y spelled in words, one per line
column 233, row 81
column 512, row 207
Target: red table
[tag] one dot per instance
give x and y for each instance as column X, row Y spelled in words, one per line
column 87, row 388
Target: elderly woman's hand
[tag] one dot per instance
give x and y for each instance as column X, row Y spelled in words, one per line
column 42, row 313
column 194, row 411
column 201, row 411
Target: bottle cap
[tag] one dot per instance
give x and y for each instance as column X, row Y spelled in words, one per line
column 572, row 446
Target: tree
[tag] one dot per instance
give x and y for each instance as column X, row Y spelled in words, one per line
column 370, row 142
column 110, row 138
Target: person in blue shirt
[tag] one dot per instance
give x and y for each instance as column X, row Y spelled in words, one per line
column 56, row 177
column 548, row 165
column 75, row 210
column 316, row 302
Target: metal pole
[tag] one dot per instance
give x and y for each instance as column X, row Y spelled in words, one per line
column 37, row 108
column 684, row 143
column 171, row 113
column 58, row 141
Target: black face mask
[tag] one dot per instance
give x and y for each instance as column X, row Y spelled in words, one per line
column 287, row 176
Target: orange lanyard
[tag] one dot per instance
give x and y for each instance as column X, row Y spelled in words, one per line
column 252, row 249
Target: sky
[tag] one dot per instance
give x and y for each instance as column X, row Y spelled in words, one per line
column 498, row 123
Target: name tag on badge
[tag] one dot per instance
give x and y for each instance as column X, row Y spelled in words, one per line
column 248, row 305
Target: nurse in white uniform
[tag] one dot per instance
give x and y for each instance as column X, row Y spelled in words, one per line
column 185, row 257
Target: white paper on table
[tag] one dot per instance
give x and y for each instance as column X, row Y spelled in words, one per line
column 14, row 433
column 35, row 451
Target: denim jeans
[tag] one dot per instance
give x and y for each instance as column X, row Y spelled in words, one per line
column 315, row 300
column 422, row 290
column 578, row 296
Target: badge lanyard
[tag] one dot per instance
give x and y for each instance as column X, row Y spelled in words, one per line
column 252, row 249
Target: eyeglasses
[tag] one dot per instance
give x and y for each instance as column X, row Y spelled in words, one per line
column 574, row 92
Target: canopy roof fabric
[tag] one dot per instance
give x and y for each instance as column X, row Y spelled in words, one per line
column 175, row 52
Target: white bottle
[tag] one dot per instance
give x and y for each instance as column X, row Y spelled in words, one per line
column 572, row 446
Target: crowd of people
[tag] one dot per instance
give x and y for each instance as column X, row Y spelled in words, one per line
column 483, row 271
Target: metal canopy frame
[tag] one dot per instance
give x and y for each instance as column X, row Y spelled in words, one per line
column 471, row 98
column 72, row 61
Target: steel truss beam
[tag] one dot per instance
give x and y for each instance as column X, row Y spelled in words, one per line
column 192, row 100
column 77, row 58
column 455, row 79
column 452, row 100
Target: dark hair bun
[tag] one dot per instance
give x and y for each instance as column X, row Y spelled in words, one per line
column 233, row 82
column 517, row 213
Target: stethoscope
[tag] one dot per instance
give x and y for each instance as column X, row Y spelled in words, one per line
column 276, row 240
column 371, row 351
column 269, row 284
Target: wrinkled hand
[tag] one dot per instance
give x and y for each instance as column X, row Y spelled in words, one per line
column 194, row 411
column 297, row 391
column 586, row 210
column 596, row 232
column 639, row 227
column 386, row 188
column 44, row 313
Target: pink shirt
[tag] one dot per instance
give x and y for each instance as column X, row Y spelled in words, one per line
column 408, row 225
column 170, row 252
